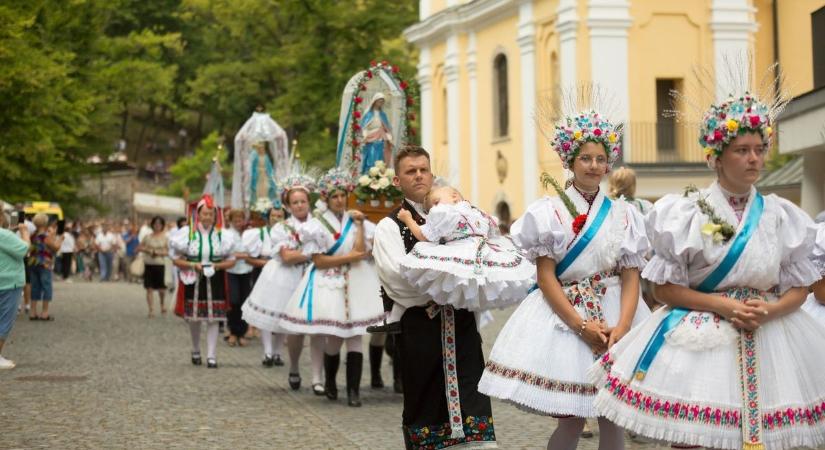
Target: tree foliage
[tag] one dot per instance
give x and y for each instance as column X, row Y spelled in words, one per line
column 77, row 76
column 189, row 173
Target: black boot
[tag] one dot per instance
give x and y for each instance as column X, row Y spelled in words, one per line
column 355, row 364
column 331, row 363
column 376, row 355
column 393, row 351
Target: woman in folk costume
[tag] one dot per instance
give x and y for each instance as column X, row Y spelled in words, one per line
column 377, row 134
column 280, row 278
column 203, row 252
column 731, row 362
column 339, row 295
column 588, row 251
column 258, row 247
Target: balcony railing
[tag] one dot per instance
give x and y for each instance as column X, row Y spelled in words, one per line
column 664, row 142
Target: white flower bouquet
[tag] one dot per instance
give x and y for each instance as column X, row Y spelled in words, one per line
column 377, row 182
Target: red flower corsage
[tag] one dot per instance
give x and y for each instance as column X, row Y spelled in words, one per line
column 578, row 223
column 297, row 238
column 337, row 236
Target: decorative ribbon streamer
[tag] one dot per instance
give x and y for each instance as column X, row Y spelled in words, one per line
column 344, row 130
column 709, row 284
column 448, row 352
column 306, row 296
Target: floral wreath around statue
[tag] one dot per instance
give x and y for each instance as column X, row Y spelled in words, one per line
column 358, row 105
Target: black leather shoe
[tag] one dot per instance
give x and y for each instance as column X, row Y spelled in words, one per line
column 376, row 355
column 196, row 358
column 294, row 381
column 389, row 328
column 277, row 361
column 267, row 361
column 211, row 363
column 318, row 389
column 355, row 364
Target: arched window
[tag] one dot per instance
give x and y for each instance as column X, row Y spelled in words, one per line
column 500, row 108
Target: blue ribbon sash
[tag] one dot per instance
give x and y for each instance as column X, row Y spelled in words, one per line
column 708, row 285
column 584, row 241
column 577, row 249
column 306, row 296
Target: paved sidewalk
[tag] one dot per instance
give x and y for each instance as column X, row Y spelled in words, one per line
column 102, row 375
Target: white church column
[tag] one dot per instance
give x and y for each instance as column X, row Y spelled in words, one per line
column 472, row 76
column 423, row 9
column 527, row 49
column 608, row 21
column 732, row 22
column 567, row 28
column 425, row 90
column 451, row 72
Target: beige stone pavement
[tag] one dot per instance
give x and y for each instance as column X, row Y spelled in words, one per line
column 102, row 375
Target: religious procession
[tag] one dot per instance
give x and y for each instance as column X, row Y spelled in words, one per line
column 582, row 280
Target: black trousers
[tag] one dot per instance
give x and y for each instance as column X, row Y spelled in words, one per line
column 240, row 285
column 66, row 264
column 425, row 418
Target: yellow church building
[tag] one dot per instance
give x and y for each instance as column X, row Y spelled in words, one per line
column 485, row 66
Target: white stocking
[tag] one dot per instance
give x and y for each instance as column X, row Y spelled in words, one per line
column 355, row 344
column 212, row 332
column 266, row 340
column 316, row 358
column 566, row 436
column 611, row 436
column 195, row 331
column 279, row 343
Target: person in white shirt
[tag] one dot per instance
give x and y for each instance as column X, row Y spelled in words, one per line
column 240, row 280
column 106, row 244
column 67, row 254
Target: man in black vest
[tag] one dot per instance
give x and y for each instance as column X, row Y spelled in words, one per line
column 439, row 411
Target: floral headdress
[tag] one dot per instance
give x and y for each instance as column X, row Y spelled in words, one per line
column 734, row 116
column 336, row 179
column 749, row 108
column 300, row 177
column 205, row 201
column 572, row 132
column 575, row 116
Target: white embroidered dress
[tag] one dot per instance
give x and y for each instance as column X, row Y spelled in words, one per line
column 692, row 392
column 277, row 280
column 812, row 306
column 341, row 301
column 466, row 263
column 537, row 362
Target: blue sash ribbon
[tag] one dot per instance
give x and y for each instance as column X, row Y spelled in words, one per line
column 588, row 236
column 306, row 296
column 708, row 285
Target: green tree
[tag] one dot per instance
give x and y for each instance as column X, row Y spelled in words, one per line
column 189, row 173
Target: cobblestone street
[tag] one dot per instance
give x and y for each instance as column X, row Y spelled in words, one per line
column 102, row 375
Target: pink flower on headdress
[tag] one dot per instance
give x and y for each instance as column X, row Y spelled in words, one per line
column 717, row 135
column 597, row 132
column 565, row 146
column 754, row 121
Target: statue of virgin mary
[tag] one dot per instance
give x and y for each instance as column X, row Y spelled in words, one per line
column 377, row 134
column 261, row 157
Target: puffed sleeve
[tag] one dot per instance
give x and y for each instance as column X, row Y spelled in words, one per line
column 179, row 243
column 797, row 239
column 315, row 238
column 635, row 244
column 280, row 237
column 818, row 257
column 540, row 232
column 674, row 228
column 369, row 234
column 441, row 221
column 251, row 242
column 229, row 244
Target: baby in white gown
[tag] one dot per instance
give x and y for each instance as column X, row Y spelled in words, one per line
column 461, row 259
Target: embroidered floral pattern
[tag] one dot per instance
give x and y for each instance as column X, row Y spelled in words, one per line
column 467, row 261
column 476, row 429
column 752, row 431
column 540, row 382
column 450, row 371
column 585, row 294
column 698, row 319
column 331, row 323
